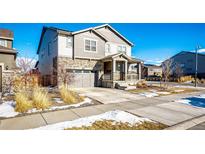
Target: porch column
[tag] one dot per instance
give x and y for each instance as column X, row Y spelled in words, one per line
column 113, row 69
column 126, row 70
column 139, row 71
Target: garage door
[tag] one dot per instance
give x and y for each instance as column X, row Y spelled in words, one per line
column 82, row 78
column 0, row 78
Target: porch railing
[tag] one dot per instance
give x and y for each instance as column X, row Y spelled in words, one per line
column 107, row 76
column 132, row 77
column 120, row 77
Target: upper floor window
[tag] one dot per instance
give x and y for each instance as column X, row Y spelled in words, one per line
column 3, row 43
column 68, row 42
column 90, row 45
column 122, row 49
column 107, row 48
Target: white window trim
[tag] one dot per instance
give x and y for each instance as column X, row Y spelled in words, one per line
column 107, row 48
column 91, row 40
column 5, row 41
column 122, row 46
column 70, row 42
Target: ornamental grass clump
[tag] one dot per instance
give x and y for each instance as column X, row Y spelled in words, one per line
column 69, row 96
column 23, row 104
column 40, row 99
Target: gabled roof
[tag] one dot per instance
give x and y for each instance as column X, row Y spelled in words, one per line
column 184, row 52
column 93, row 29
column 130, row 59
column 101, row 26
column 116, row 32
column 58, row 30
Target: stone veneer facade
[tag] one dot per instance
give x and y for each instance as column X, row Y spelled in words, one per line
column 66, row 63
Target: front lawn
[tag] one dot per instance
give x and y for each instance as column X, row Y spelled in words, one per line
column 154, row 91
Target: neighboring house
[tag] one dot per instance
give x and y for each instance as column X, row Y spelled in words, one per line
column 7, row 55
column 98, row 56
column 186, row 62
column 151, row 70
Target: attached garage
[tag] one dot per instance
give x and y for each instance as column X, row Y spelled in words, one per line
column 82, row 78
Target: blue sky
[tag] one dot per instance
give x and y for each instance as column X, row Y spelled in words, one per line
column 153, row 42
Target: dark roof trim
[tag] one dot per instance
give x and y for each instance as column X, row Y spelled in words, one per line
column 41, row 38
column 36, row 65
column 58, row 30
column 187, row 52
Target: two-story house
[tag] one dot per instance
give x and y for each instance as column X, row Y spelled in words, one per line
column 97, row 56
column 7, row 54
column 186, row 62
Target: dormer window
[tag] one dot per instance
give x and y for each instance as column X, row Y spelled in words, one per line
column 3, row 43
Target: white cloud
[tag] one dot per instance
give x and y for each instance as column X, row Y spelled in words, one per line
column 153, row 61
column 201, row 51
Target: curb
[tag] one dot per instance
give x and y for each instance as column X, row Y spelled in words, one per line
column 187, row 124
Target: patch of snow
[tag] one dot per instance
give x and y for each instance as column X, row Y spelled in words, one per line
column 58, row 100
column 86, row 101
column 163, row 92
column 153, row 90
column 191, row 87
column 149, row 94
column 116, row 115
column 194, row 101
column 178, row 90
column 7, row 109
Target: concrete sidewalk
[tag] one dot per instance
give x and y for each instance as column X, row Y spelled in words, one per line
column 160, row 109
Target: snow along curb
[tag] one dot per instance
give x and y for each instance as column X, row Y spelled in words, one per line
column 187, row 124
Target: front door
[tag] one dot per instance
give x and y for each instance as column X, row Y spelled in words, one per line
column 120, row 70
column 0, row 78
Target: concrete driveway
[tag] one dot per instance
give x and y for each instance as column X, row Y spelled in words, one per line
column 108, row 95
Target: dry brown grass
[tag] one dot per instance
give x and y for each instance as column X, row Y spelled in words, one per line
column 185, row 79
column 112, row 125
column 22, row 102
column 141, row 84
column 69, row 96
column 40, row 99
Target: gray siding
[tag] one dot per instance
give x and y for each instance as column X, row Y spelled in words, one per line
column 8, row 60
column 187, row 62
column 79, row 45
column 46, row 61
column 111, row 36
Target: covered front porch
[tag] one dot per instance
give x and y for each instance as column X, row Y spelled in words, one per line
column 120, row 68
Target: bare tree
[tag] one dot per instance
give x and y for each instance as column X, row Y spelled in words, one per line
column 167, row 70
column 25, row 64
column 65, row 77
column 178, row 72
